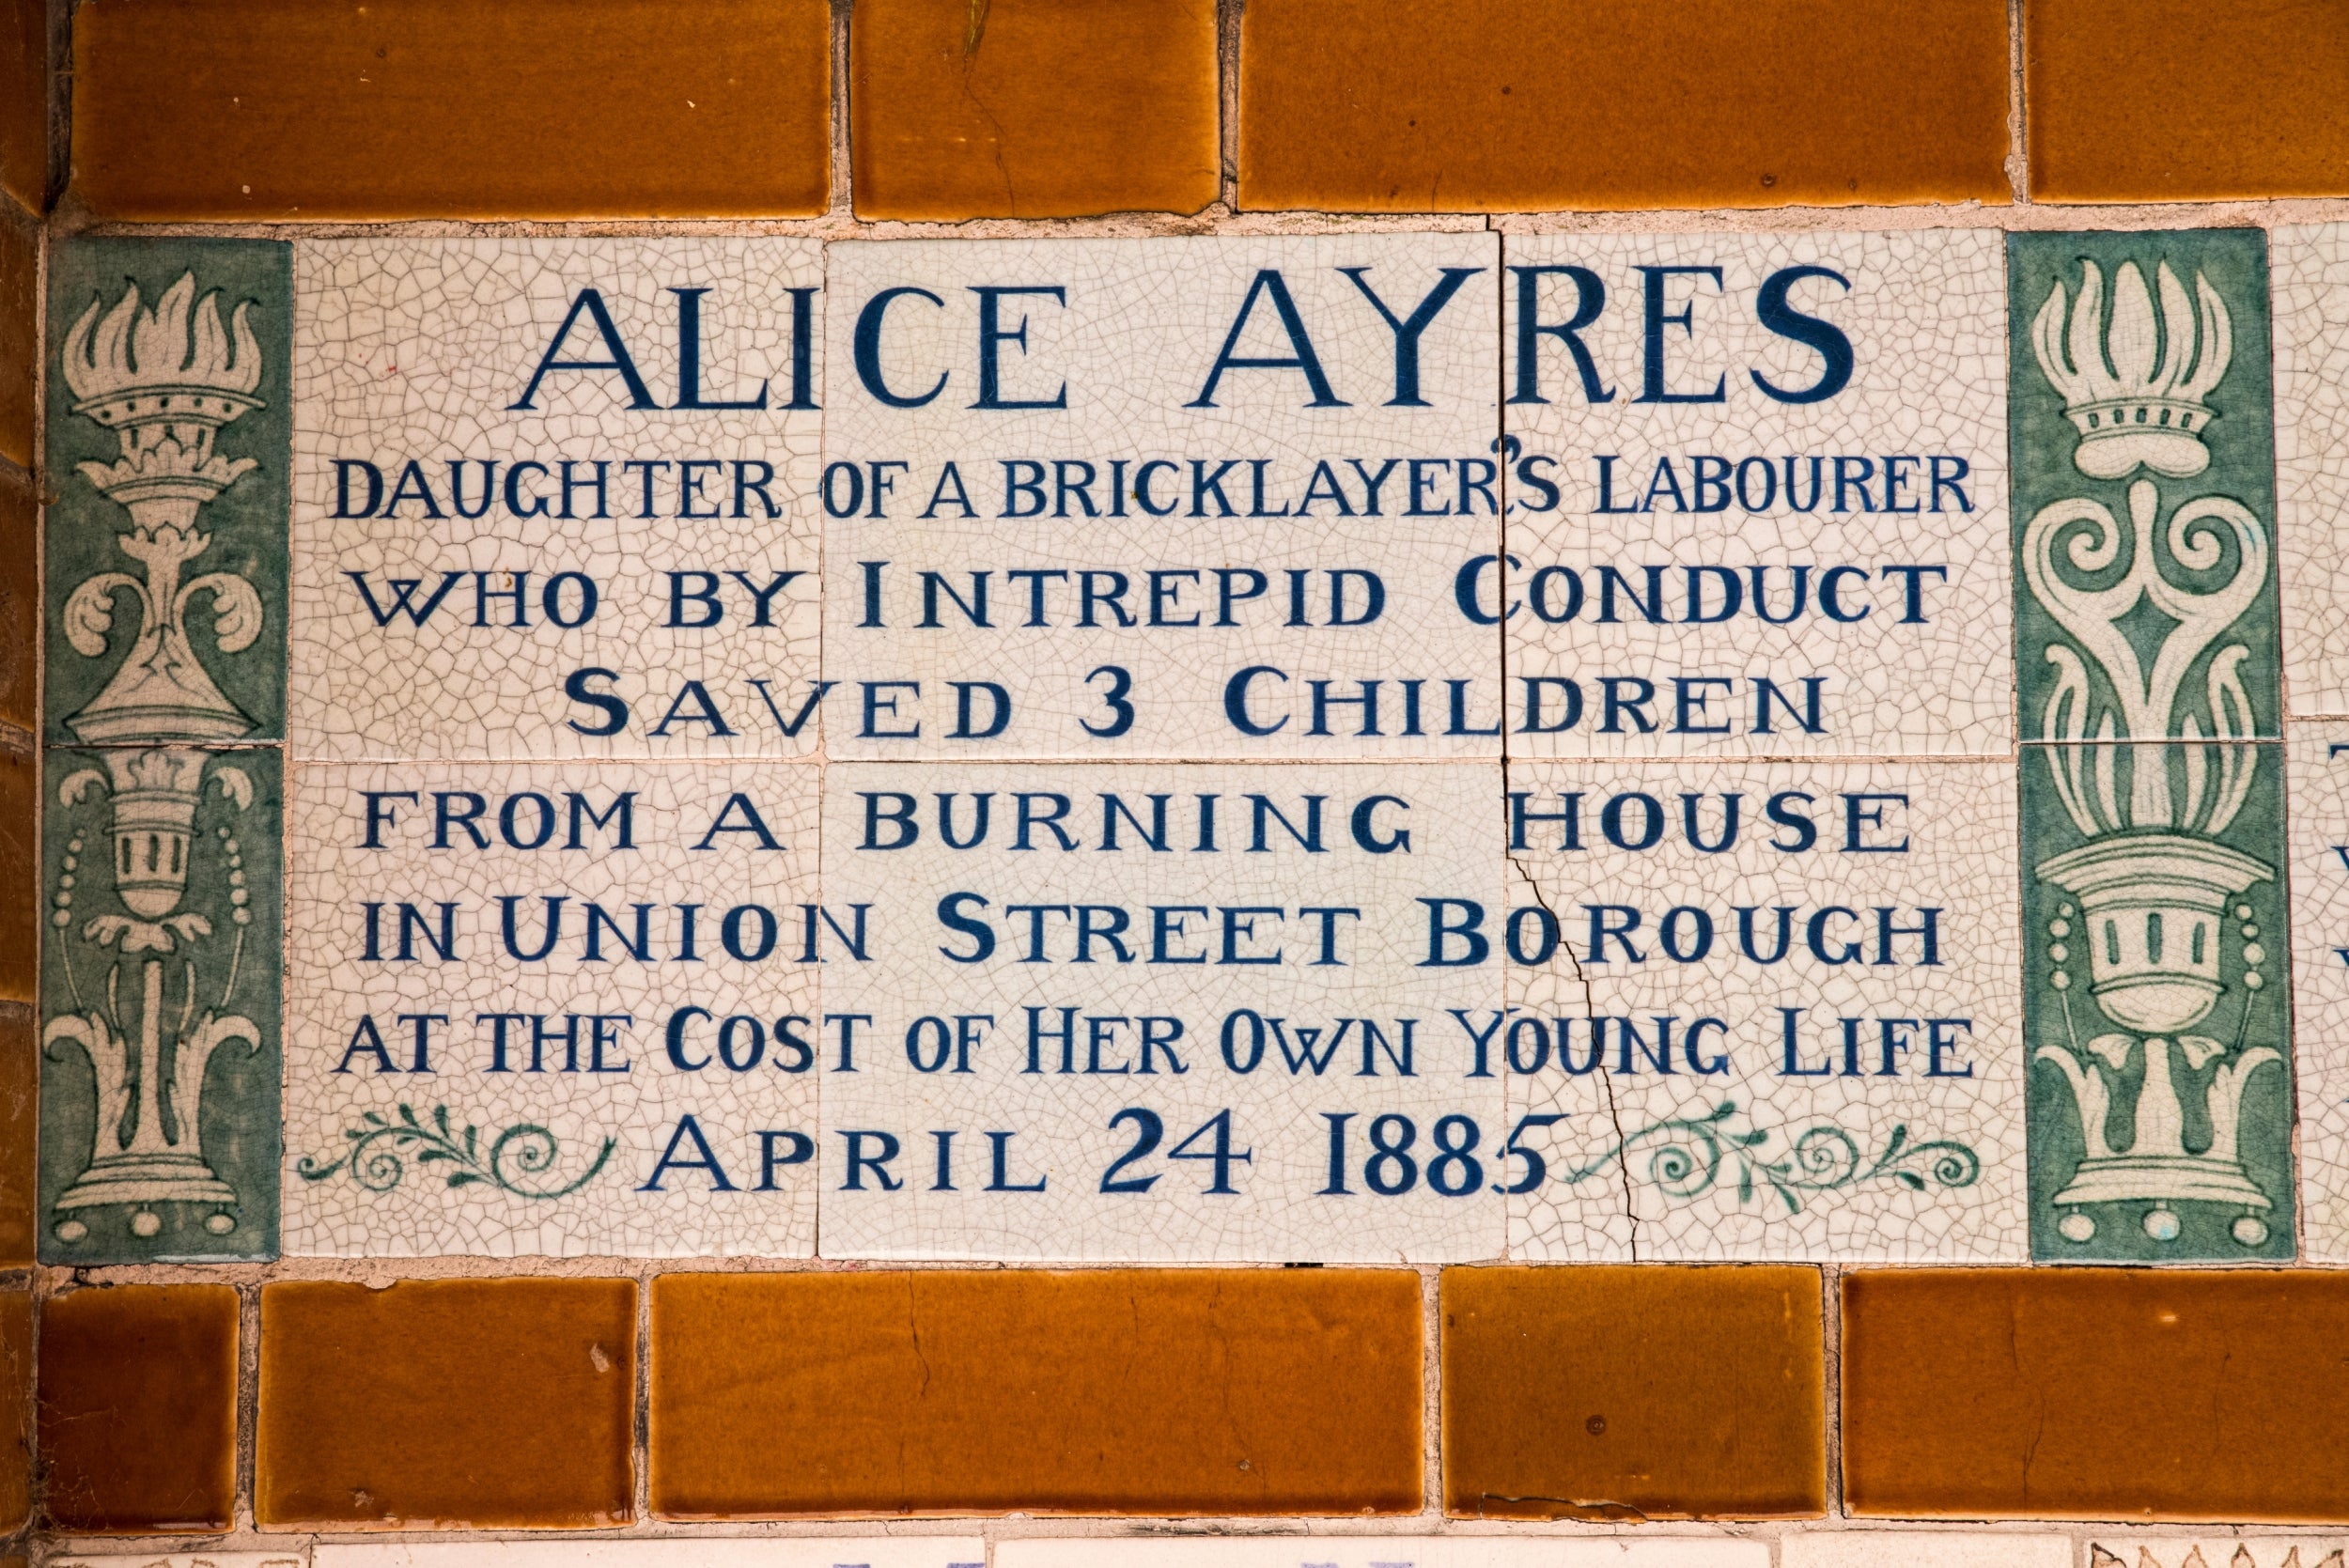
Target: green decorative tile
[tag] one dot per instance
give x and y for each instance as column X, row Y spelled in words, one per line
column 170, row 437
column 169, row 446
column 2141, row 422
column 160, row 1060
column 2139, row 375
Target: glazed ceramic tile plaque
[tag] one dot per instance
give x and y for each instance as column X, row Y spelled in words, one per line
column 553, row 1008
column 1758, row 489
column 1163, row 1011
column 2149, row 683
column 1167, row 498
column 555, row 498
column 1365, row 746
column 1357, row 1551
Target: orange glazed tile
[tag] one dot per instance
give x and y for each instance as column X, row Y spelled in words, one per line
column 1032, row 108
column 137, row 1414
column 19, row 312
column 16, row 1409
column 25, row 103
column 1123, row 1390
column 19, row 913
column 2096, row 1393
column 20, row 600
column 2175, row 101
column 1635, row 1392
column 278, row 109
column 1490, row 105
column 448, row 1404
column 20, row 1076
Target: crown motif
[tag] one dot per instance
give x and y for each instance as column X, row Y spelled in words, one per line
column 2129, row 408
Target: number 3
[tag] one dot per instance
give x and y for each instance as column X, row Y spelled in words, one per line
column 1121, row 711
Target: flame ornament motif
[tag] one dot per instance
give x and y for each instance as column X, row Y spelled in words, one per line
column 160, row 983
column 2146, row 646
column 164, row 381
column 2138, row 410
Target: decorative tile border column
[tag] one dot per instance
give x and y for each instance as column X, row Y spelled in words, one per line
column 170, row 401
column 2159, row 1027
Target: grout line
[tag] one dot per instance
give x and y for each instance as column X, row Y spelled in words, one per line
column 59, row 77
column 2017, row 109
column 841, row 204
column 1431, row 1379
column 1229, row 15
column 842, row 224
column 1831, row 1376
column 248, row 1404
column 640, row 1431
column 392, row 1270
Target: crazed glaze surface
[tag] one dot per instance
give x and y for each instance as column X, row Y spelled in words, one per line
column 430, row 354
column 1411, row 747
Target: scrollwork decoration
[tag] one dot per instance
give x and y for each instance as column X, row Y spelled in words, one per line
column 380, row 1147
column 1685, row 1156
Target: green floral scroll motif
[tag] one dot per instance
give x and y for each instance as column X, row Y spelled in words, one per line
column 2146, row 640
column 1687, row 1156
column 380, row 1147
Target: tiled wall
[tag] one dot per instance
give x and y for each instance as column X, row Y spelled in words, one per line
column 578, row 1316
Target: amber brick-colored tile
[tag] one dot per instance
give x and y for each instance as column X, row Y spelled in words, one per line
column 2096, row 1393
column 1640, row 1391
column 2184, row 101
column 1489, row 105
column 16, row 1409
column 1032, row 108
column 20, row 313
column 24, row 102
column 446, row 1403
column 1102, row 1391
column 137, row 1414
column 20, row 1082
column 20, row 600
column 19, row 913
column 279, row 109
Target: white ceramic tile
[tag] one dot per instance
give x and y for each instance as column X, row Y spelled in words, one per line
column 1670, row 465
column 437, row 351
column 1137, row 996
column 2318, row 786
column 2310, row 284
column 1939, row 1548
column 801, row 1551
column 1235, row 513
column 1890, row 1128
column 2214, row 1551
column 1357, row 1551
column 642, row 932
